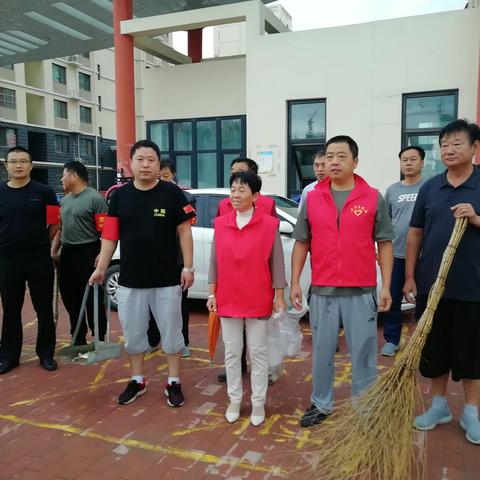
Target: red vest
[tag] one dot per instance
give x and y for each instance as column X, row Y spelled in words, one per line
column 244, row 280
column 343, row 254
column 264, row 204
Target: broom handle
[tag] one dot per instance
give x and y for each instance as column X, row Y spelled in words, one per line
column 436, row 292
column 80, row 315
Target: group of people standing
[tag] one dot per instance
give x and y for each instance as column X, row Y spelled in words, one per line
column 345, row 224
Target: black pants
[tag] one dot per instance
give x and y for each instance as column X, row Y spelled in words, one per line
column 14, row 274
column 76, row 266
column 154, row 334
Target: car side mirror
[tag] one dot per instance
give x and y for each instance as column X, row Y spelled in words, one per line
column 285, row 228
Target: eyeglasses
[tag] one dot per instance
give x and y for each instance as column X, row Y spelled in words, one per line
column 18, row 162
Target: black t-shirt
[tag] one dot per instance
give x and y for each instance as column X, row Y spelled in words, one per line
column 23, row 220
column 148, row 222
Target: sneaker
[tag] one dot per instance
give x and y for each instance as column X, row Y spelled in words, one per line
column 389, row 349
column 471, row 425
column 133, row 390
column 313, row 416
column 433, row 417
column 174, row 395
column 185, row 352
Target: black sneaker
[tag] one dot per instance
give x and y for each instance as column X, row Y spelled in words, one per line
column 174, row 395
column 313, row 416
column 133, row 390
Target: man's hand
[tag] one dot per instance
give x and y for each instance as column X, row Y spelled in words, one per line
column 98, row 276
column 280, row 304
column 410, row 290
column 466, row 210
column 55, row 257
column 385, row 300
column 296, row 297
column 186, row 280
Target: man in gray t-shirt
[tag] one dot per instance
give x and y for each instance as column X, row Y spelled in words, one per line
column 82, row 211
column 400, row 198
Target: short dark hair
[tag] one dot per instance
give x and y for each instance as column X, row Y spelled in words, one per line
column 352, row 144
column 145, row 144
column 471, row 129
column 318, row 153
column 247, row 178
column 79, row 168
column 19, row 149
column 420, row 150
column 252, row 165
column 168, row 164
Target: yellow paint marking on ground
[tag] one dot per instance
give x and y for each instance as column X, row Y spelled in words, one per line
column 244, row 423
column 131, row 442
column 308, row 378
column 196, row 349
column 344, row 376
column 196, row 359
column 302, row 438
column 30, row 324
column 204, row 428
column 269, row 423
column 162, row 367
column 290, row 433
column 100, row 376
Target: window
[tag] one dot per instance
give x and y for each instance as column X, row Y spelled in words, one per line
column 86, row 147
column 60, row 109
column 84, row 82
column 7, row 98
column 61, row 144
column 99, row 103
column 306, row 136
column 8, row 137
column 8, row 66
column 85, row 114
column 423, row 117
column 59, row 74
column 201, row 149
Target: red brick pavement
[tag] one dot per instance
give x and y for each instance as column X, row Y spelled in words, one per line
column 67, row 424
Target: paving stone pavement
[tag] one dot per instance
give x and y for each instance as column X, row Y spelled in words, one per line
column 67, row 424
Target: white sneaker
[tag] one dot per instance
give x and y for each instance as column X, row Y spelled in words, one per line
column 233, row 412
column 258, row 415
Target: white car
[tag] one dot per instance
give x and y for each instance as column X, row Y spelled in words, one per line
column 207, row 201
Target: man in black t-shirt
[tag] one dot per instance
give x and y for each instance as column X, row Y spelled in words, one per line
column 26, row 208
column 146, row 216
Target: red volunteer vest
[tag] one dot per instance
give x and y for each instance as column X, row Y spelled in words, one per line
column 264, row 204
column 343, row 254
column 244, row 280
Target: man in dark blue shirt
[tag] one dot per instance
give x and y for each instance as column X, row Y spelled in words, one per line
column 26, row 208
column 453, row 343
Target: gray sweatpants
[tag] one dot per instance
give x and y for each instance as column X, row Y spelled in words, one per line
column 358, row 314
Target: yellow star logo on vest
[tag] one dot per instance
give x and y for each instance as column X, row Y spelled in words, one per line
column 159, row 212
column 358, row 210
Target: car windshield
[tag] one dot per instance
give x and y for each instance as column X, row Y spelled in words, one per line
column 285, row 204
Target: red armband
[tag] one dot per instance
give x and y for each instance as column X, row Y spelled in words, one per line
column 100, row 221
column 53, row 215
column 111, row 228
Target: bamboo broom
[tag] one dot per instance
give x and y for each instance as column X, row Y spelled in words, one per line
column 371, row 436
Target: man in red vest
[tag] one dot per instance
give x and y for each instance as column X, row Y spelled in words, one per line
column 339, row 223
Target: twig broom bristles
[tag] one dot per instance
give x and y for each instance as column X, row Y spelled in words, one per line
column 371, row 436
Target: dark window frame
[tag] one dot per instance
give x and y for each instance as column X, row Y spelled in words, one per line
column 8, row 98
column 84, row 108
column 86, row 147
column 219, row 151
column 293, row 169
column 64, row 105
column 65, row 144
column 63, row 76
column 85, row 76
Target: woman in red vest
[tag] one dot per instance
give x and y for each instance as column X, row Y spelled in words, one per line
column 247, row 271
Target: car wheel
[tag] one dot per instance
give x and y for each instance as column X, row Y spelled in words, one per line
column 111, row 285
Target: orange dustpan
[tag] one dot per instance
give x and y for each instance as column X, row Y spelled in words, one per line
column 213, row 331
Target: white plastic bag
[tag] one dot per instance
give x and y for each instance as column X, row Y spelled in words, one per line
column 290, row 333
column 275, row 348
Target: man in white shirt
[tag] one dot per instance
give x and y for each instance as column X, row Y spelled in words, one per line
column 320, row 172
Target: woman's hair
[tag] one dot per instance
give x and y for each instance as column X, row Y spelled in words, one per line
column 247, row 178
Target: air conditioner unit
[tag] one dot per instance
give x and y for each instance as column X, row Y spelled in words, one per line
column 74, row 60
column 74, row 127
column 75, row 94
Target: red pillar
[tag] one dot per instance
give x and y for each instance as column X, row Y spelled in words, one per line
column 124, row 86
column 195, row 44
